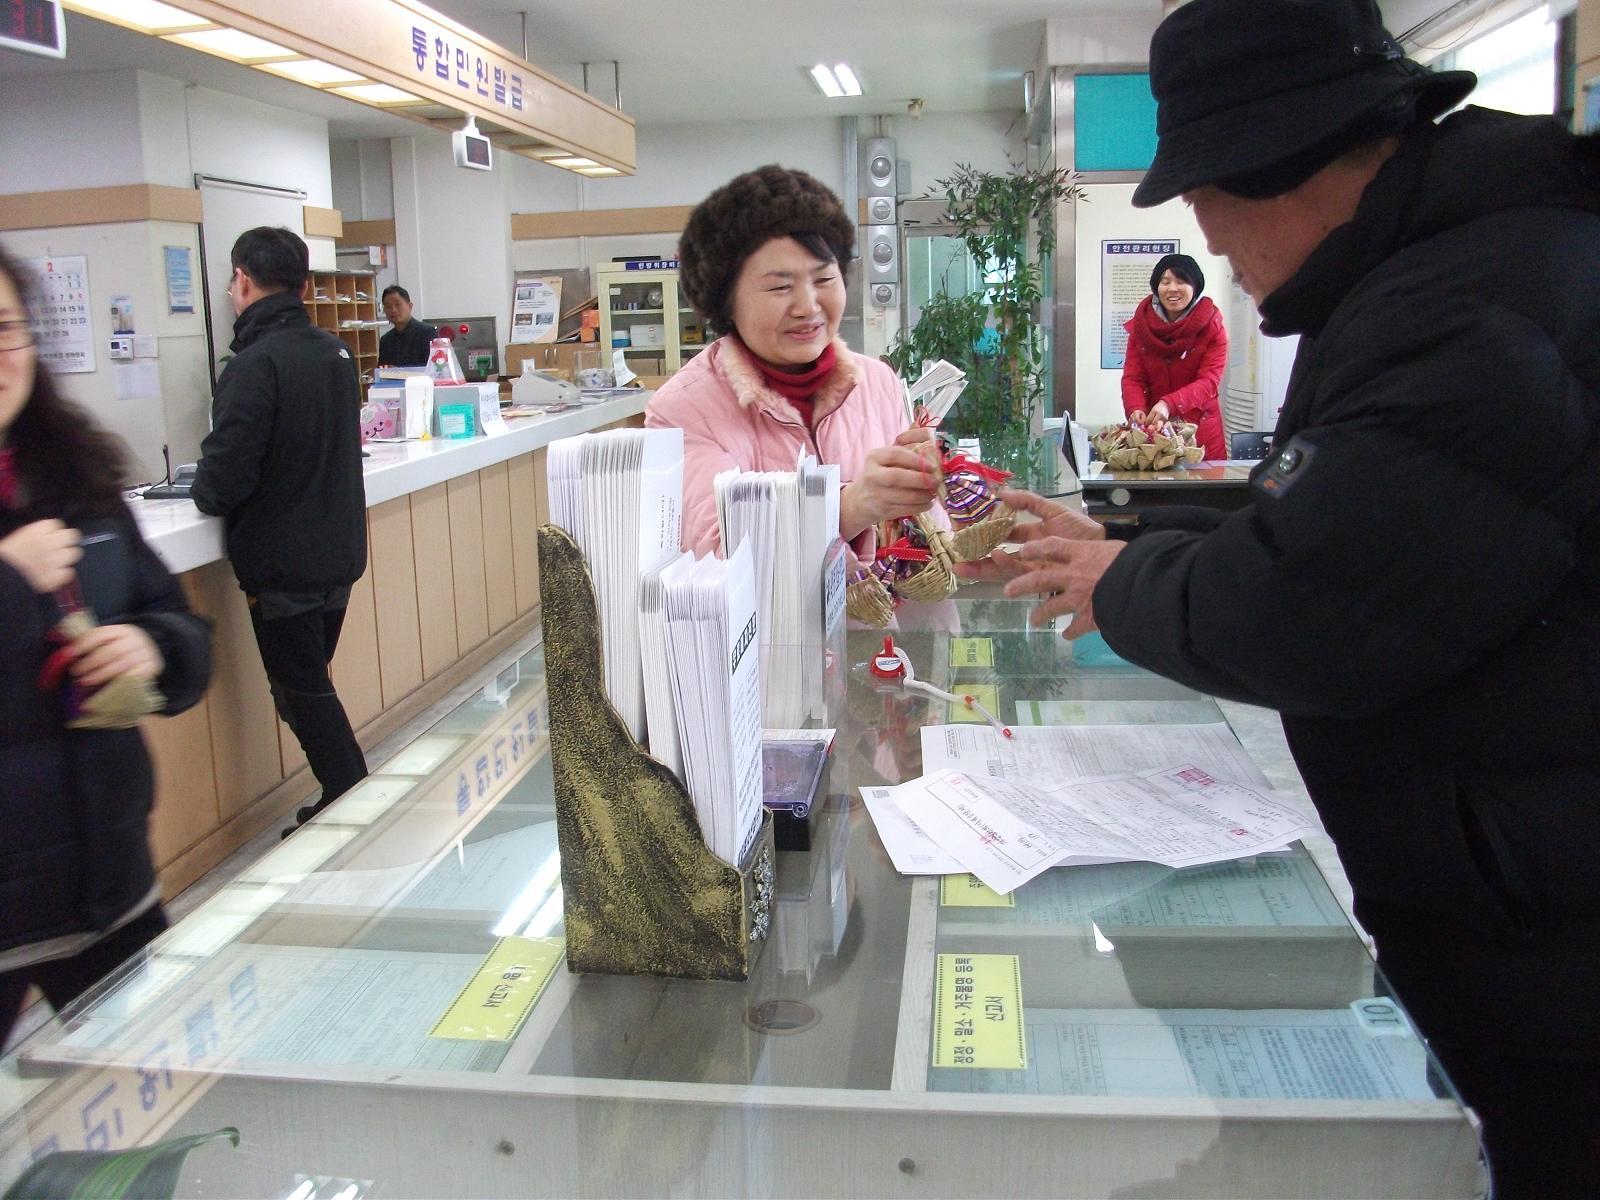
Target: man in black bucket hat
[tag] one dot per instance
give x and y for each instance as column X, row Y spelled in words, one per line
column 1415, row 584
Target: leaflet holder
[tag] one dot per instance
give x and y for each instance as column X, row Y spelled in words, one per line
column 643, row 894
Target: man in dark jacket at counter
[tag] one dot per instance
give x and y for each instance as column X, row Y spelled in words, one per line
column 282, row 467
column 1415, row 584
column 408, row 343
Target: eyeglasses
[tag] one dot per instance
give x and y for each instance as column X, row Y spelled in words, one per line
column 16, row 335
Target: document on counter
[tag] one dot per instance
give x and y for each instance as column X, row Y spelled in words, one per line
column 1066, row 753
column 1214, row 1054
column 912, row 851
column 1006, row 832
column 1118, row 712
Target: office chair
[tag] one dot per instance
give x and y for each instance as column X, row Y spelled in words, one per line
column 1250, row 446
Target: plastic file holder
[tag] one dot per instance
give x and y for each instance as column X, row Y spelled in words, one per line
column 643, row 894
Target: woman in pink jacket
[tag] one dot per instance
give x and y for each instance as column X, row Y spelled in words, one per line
column 1177, row 351
column 763, row 260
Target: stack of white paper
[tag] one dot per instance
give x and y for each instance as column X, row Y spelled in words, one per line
column 790, row 519
column 660, row 716
column 620, row 495
column 1006, row 832
column 934, row 391
column 713, row 651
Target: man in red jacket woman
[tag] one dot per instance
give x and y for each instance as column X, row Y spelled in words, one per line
column 1177, row 351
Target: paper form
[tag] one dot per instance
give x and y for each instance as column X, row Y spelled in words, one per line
column 982, row 823
column 912, row 851
column 1117, row 712
column 1064, row 753
column 1266, row 1054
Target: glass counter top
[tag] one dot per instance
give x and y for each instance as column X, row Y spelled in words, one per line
column 329, row 965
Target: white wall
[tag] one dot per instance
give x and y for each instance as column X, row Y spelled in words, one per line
column 932, row 145
column 126, row 260
column 70, row 131
column 240, row 139
column 453, row 229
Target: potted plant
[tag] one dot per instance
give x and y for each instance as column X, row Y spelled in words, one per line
column 1007, row 223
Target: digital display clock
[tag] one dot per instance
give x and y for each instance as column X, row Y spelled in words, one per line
column 33, row 26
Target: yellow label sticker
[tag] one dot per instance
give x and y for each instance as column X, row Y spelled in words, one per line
column 968, row 891
column 501, row 994
column 987, row 695
column 977, row 1013
column 971, row 652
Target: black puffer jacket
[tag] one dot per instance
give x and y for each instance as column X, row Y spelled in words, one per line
column 75, row 804
column 282, row 463
column 1416, row 585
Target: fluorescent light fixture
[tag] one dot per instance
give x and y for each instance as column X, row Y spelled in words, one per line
column 826, row 84
column 530, row 898
column 548, row 916
column 598, row 172
column 835, row 82
column 572, row 162
column 231, row 43
column 314, row 72
column 377, row 93
column 146, row 16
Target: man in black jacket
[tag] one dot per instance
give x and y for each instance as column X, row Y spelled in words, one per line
column 1415, row 584
column 408, row 343
column 282, row 467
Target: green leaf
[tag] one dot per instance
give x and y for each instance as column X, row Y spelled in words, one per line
column 147, row 1171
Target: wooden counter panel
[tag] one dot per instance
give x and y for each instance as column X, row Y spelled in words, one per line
column 186, row 807
column 243, row 724
column 394, row 595
column 355, row 662
column 466, row 561
column 524, row 485
column 436, row 596
column 499, row 575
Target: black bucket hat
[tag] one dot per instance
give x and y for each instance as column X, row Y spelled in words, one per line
column 1243, row 85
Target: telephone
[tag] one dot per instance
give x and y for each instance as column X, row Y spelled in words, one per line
column 176, row 486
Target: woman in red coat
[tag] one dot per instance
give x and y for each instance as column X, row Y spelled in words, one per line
column 1177, row 351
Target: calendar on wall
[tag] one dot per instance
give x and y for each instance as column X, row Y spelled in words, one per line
column 66, row 329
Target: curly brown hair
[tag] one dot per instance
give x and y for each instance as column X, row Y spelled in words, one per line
column 742, row 216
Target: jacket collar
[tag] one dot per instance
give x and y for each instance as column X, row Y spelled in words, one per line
column 276, row 311
column 735, row 364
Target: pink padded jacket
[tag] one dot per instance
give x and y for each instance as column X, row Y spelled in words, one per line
column 731, row 418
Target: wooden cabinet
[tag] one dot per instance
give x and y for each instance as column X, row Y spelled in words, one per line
column 643, row 314
column 346, row 303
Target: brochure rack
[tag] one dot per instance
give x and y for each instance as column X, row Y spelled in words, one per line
column 643, row 894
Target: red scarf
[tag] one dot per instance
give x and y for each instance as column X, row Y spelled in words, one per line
column 798, row 387
column 1171, row 339
column 8, row 478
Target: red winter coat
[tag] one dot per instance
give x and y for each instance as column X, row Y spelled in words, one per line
column 1180, row 362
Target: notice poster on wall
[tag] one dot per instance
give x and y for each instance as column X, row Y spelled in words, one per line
column 180, row 279
column 66, row 329
column 1124, row 281
column 536, row 309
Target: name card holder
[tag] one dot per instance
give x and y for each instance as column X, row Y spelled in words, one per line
column 643, row 894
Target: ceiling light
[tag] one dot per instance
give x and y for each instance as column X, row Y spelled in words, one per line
column 597, row 172
column 826, row 84
column 314, row 71
column 847, row 80
column 146, row 16
column 232, row 43
column 377, row 93
column 571, row 162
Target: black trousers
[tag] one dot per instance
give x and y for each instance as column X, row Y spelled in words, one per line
column 296, row 651
column 63, row 980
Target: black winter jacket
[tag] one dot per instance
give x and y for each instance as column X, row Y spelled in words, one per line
column 75, row 804
column 282, row 463
column 1416, row 583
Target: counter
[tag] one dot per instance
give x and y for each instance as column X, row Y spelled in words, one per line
column 1206, row 1032
column 452, row 576
column 186, row 538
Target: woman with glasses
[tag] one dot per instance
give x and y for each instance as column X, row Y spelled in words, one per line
column 95, row 635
